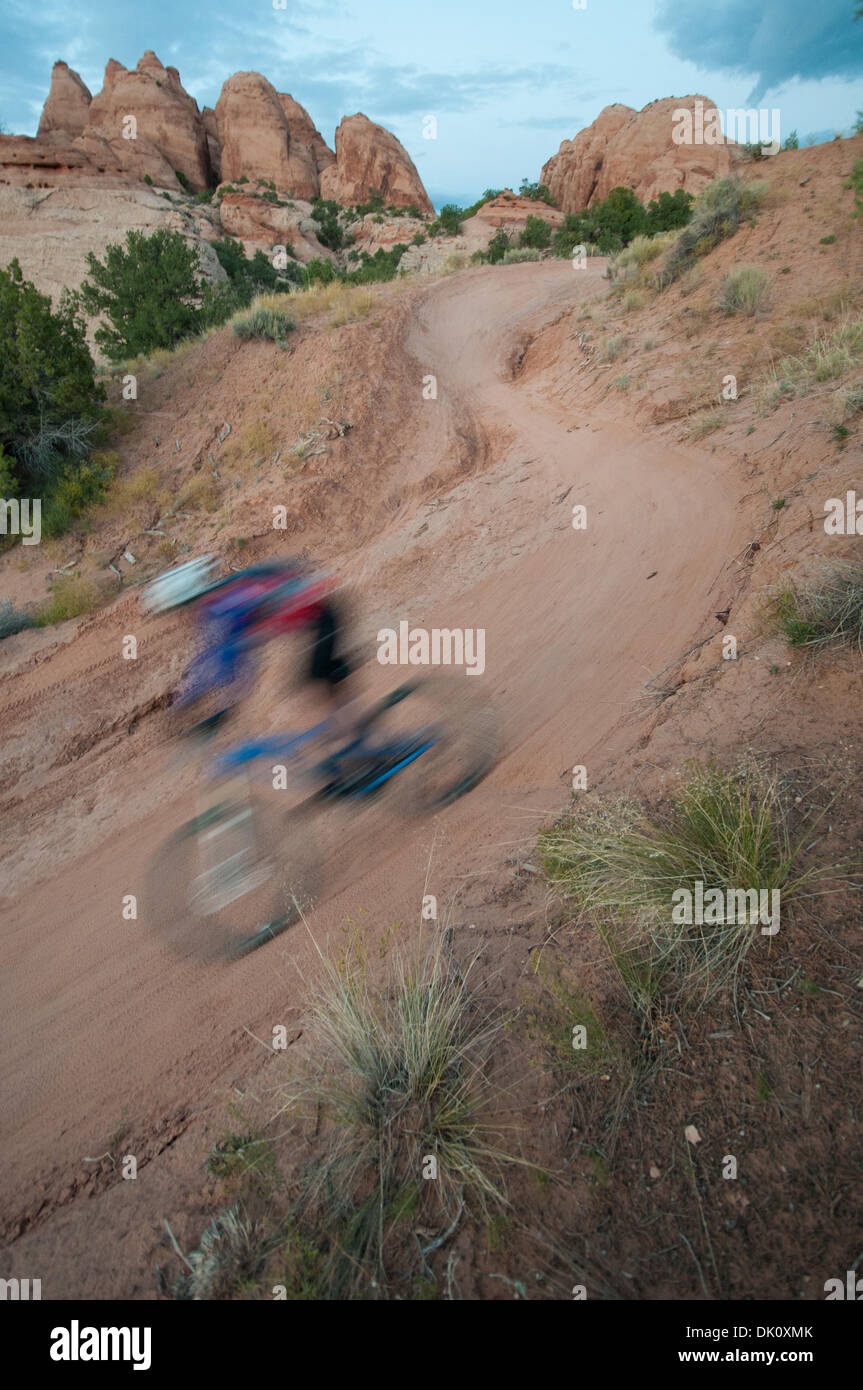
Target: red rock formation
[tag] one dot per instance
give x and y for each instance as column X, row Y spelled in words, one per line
column 165, row 116
column 305, row 137
column 369, row 160
column 633, row 149
column 263, row 134
column 57, row 161
column 68, row 103
column 305, row 134
column 214, row 144
column 261, row 224
column 510, row 211
column 254, row 134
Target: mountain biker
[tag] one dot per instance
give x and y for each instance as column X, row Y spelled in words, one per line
column 242, row 612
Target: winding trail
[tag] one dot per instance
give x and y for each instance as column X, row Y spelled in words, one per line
column 97, row 1021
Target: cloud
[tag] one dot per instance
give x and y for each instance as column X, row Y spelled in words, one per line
column 778, row 40
column 559, row 122
column 402, row 90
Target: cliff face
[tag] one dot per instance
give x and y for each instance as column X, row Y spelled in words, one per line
column 255, row 138
column 165, row 117
column 637, row 150
column 68, row 104
column 143, row 126
column 371, row 160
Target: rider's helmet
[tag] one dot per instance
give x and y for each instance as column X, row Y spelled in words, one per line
column 181, row 584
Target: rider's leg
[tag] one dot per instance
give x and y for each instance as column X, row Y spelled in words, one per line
column 329, row 667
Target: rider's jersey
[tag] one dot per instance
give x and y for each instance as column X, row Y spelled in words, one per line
column 264, row 601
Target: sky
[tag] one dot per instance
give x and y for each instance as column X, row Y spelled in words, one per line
column 504, row 80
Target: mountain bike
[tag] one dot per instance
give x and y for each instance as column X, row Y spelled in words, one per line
column 245, row 867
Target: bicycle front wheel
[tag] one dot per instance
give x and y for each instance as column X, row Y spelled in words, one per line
column 231, row 879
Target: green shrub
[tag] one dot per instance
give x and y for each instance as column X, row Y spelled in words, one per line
column 450, row 219
column 572, row 232
column 383, row 265
column 497, row 246
column 536, row 234
column 8, row 475
column 669, row 211
column 148, row 291
column 488, row 196
column 403, row 1074
column 719, row 210
column 72, row 595
column 330, row 230
column 247, row 277
column 374, row 203
column 856, row 183
column 13, row 620
column 538, row 192
column 824, row 611
column 319, row 271
column 743, row 290
column 521, row 253
column 621, row 864
column 50, row 402
column 261, row 322
column 78, row 487
column 620, row 219
column 610, row 348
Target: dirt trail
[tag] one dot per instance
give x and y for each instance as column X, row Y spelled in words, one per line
column 97, row 1020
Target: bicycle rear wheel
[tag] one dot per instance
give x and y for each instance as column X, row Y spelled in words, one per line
column 462, row 731
column 230, row 879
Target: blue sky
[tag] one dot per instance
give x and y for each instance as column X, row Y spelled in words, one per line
column 506, row 80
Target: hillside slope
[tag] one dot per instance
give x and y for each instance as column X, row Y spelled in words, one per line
column 448, row 511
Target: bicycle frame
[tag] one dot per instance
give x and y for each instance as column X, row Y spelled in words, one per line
column 288, row 745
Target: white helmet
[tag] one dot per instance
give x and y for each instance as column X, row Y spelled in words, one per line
column 180, row 585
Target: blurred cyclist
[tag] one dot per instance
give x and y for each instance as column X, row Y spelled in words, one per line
column 242, row 612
